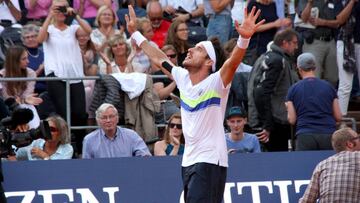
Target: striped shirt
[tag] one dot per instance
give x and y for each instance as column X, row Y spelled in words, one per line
column 202, row 115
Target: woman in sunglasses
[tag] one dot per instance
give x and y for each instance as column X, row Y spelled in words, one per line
column 58, row 147
column 173, row 141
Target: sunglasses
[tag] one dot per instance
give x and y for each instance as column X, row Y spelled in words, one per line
column 171, row 56
column 156, row 19
column 53, row 129
column 173, row 125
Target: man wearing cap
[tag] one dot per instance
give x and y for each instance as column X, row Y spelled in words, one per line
column 312, row 106
column 203, row 93
column 237, row 140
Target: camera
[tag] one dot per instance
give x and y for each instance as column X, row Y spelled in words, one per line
column 62, row 9
column 19, row 116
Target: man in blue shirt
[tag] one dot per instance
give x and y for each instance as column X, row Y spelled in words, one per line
column 111, row 140
column 237, row 140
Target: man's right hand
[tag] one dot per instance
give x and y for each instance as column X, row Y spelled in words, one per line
column 263, row 136
column 131, row 20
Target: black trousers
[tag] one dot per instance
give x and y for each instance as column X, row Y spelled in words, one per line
column 57, row 94
column 279, row 137
column 204, row 183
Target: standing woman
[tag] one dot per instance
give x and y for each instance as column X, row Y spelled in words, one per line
column 173, row 142
column 177, row 36
column 16, row 65
column 63, row 59
column 266, row 32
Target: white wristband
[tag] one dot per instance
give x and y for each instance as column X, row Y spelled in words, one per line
column 138, row 37
column 243, row 43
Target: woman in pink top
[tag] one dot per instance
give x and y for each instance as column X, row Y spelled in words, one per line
column 37, row 9
column 87, row 9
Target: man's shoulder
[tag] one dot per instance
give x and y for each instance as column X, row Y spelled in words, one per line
column 92, row 135
column 128, row 132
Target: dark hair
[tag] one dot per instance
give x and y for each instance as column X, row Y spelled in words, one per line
column 284, row 35
column 219, row 52
column 229, row 46
column 12, row 69
column 173, row 39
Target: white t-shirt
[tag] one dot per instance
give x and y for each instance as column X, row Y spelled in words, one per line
column 188, row 5
column 5, row 13
column 202, row 114
column 62, row 53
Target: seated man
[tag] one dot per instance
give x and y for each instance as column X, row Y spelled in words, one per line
column 111, row 140
column 237, row 140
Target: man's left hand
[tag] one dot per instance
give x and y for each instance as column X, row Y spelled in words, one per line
column 249, row 25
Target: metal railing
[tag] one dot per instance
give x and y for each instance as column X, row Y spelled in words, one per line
column 67, row 92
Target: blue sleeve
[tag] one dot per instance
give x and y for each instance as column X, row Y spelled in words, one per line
column 140, row 148
column 22, row 153
column 290, row 94
column 257, row 148
column 86, row 148
column 64, row 152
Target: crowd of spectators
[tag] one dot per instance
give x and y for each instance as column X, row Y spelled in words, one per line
column 73, row 39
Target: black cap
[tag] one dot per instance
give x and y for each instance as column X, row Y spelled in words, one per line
column 236, row 111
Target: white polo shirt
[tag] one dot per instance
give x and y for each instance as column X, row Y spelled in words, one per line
column 202, row 113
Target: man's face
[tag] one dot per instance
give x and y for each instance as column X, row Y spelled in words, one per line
column 291, row 46
column 236, row 124
column 196, row 57
column 108, row 119
column 155, row 17
column 355, row 141
column 148, row 31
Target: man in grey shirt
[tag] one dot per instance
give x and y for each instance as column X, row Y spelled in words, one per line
column 111, row 140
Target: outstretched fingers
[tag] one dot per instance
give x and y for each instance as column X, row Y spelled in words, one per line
column 245, row 13
column 259, row 23
column 252, row 12
column 257, row 13
column 132, row 13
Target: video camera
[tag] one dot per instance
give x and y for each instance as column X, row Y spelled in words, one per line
column 19, row 116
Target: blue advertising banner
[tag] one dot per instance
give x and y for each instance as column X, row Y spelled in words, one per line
column 264, row 177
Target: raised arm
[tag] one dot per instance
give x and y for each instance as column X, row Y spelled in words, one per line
column 245, row 30
column 154, row 53
column 43, row 33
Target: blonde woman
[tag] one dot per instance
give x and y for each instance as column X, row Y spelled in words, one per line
column 62, row 58
column 105, row 22
column 115, row 60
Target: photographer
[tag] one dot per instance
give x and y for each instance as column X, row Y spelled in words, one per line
column 56, row 147
column 63, row 59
